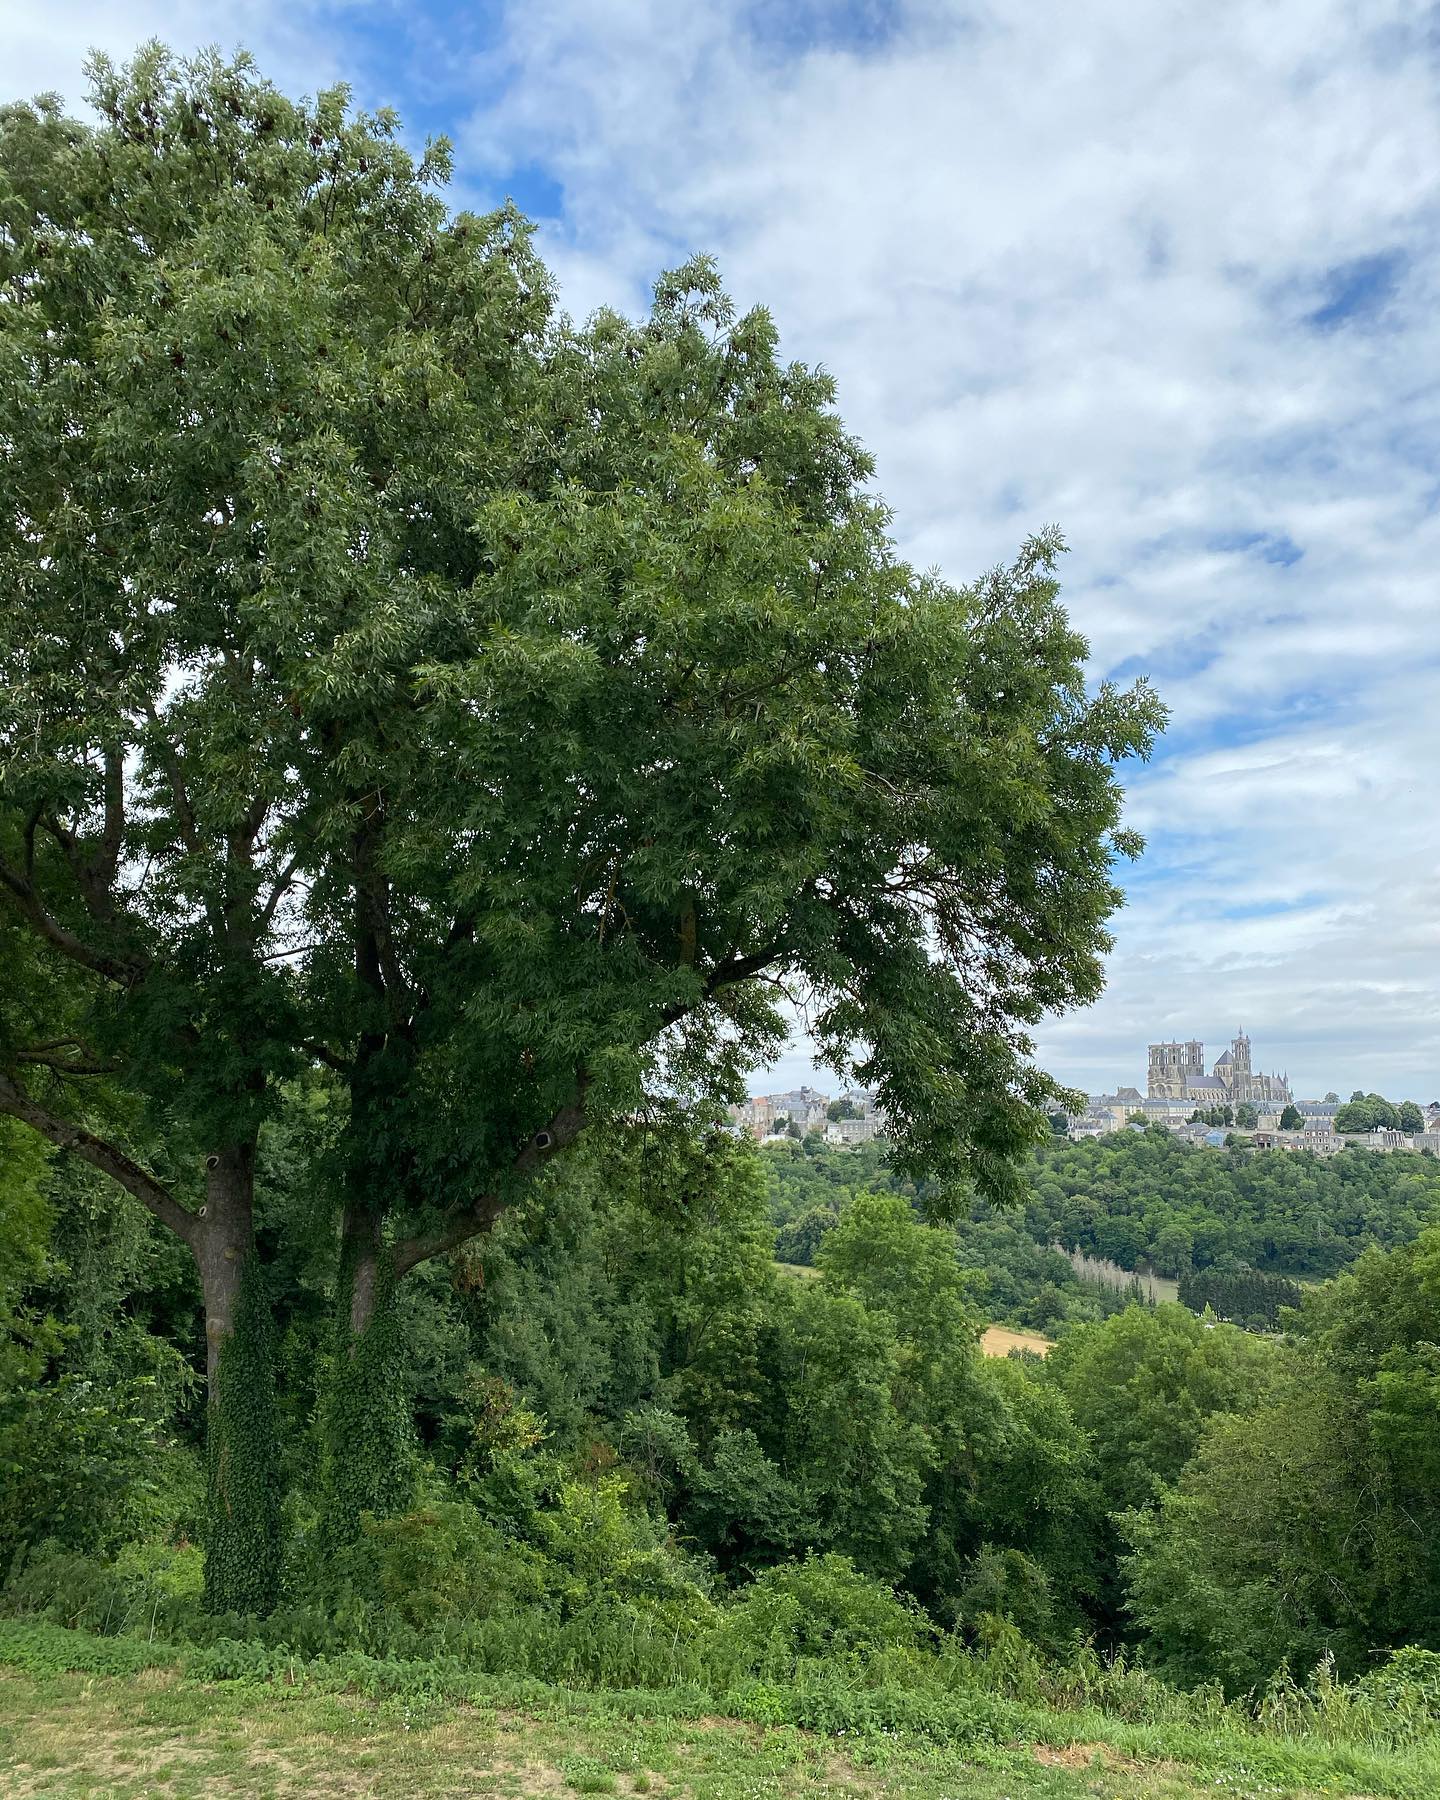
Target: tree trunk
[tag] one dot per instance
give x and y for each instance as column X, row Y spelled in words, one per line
column 242, row 1549
column 361, row 1254
column 368, row 1451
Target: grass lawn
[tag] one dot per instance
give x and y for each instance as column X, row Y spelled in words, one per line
column 155, row 1734
column 160, row 1733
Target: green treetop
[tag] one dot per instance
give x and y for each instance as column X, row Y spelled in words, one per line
column 498, row 712
column 1367, row 1112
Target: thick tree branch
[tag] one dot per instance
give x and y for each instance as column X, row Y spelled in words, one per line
column 279, row 891
column 67, row 1056
column 375, row 961
column 92, row 868
column 100, row 1155
column 462, row 1223
column 169, row 759
column 125, row 971
column 732, row 970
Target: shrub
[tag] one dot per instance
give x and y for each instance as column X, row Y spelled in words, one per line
column 148, row 1584
column 1408, row 1683
column 822, row 1607
column 446, row 1561
column 88, row 1465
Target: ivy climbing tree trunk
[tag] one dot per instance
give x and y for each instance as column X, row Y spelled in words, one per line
column 242, row 1549
column 368, row 1461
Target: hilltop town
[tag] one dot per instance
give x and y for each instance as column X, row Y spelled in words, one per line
column 853, row 1118
column 1230, row 1100
column 1234, row 1097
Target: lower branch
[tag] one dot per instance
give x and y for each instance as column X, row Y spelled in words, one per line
column 78, row 1061
column 114, row 968
column 102, row 1156
column 457, row 1228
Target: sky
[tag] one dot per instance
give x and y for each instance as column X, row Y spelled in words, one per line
column 1163, row 274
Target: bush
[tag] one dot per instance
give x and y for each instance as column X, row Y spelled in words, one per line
column 1408, row 1684
column 446, row 1561
column 148, row 1585
column 88, row 1465
column 820, row 1608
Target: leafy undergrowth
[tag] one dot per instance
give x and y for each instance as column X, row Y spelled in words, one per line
column 81, row 1715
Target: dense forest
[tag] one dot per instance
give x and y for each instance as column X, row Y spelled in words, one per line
column 1239, row 1227
column 1149, row 1195
column 621, row 1408
column 438, row 741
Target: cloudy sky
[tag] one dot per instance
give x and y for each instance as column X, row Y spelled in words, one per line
column 1165, row 274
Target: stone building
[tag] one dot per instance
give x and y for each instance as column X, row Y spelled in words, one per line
column 1177, row 1072
column 1173, row 1067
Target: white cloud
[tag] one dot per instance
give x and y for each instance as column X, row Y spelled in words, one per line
column 1063, row 261
column 43, row 46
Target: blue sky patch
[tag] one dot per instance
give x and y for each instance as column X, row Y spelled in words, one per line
column 1357, row 292
column 1270, row 546
column 534, row 190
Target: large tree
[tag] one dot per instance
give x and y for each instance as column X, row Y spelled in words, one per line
column 507, row 715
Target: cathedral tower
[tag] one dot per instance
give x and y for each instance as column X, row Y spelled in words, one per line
column 1241, row 1074
column 1172, row 1066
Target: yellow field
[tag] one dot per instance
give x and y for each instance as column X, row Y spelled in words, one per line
column 1000, row 1340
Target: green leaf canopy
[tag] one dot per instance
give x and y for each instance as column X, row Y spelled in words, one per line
column 507, row 712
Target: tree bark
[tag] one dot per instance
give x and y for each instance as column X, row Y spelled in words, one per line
column 361, row 1254
column 223, row 1243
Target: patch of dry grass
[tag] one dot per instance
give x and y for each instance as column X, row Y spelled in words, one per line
column 1000, row 1340
column 63, row 1737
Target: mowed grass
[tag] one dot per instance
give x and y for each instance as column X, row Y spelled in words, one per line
column 157, row 1733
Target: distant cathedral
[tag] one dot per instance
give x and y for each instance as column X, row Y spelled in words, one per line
column 1177, row 1072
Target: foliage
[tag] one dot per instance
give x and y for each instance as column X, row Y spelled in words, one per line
column 366, row 1429
column 242, row 1536
column 1247, row 1297
column 628, row 627
column 24, row 1246
column 1368, row 1112
column 1144, row 1384
column 89, row 1465
column 1310, row 1528
column 1149, row 1196
column 93, row 1401
column 819, row 1608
